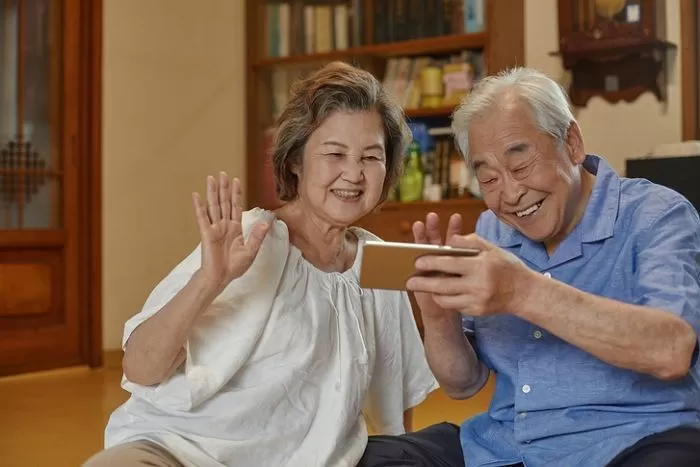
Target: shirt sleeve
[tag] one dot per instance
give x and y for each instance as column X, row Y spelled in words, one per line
column 668, row 265
column 401, row 378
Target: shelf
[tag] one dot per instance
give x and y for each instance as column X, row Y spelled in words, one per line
column 396, row 205
column 432, row 45
column 430, row 112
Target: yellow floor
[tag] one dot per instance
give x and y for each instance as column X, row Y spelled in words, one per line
column 57, row 418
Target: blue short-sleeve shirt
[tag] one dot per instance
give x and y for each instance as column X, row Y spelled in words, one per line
column 554, row 404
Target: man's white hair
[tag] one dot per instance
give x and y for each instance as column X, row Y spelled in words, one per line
column 546, row 98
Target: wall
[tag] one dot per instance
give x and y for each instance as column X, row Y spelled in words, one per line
column 173, row 112
column 619, row 131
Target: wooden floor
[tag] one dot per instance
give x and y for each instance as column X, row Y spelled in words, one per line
column 57, row 418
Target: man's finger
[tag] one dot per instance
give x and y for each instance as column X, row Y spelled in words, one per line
column 455, row 265
column 436, row 285
column 457, row 302
column 419, row 235
column 470, row 241
column 454, row 227
column 432, row 228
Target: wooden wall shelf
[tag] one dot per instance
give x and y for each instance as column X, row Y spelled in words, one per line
column 430, row 112
column 432, row 45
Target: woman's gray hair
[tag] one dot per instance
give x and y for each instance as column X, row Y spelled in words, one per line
column 546, row 98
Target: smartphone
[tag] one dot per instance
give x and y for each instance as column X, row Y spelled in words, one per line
column 388, row 265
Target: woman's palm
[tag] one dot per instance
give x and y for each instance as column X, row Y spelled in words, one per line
column 226, row 255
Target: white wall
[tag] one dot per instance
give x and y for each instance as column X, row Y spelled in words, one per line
column 174, row 104
column 623, row 130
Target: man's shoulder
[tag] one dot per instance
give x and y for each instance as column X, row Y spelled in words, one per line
column 643, row 203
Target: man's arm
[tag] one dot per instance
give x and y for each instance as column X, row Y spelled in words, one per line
column 638, row 338
column 451, row 357
column 657, row 333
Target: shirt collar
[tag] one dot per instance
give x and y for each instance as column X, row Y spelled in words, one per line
column 598, row 221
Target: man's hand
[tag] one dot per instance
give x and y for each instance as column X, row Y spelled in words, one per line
column 429, row 233
column 491, row 282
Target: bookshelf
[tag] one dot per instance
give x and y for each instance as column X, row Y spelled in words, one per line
column 373, row 34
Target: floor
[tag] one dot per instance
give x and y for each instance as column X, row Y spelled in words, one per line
column 57, row 418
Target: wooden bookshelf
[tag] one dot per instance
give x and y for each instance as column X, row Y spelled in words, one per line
column 501, row 42
column 431, row 45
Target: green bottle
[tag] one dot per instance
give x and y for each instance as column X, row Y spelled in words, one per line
column 411, row 183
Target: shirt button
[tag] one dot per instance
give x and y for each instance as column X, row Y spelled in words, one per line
column 547, row 274
column 537, row 334
column 526, row 388
column 522, row 415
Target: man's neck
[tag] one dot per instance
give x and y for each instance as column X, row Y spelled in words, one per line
column 584, row 195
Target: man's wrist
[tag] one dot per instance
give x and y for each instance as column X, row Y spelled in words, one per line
column 529, row 286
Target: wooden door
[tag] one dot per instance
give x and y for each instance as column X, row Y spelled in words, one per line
column 44, row 258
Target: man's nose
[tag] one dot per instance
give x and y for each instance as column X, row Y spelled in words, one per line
column 512, row 191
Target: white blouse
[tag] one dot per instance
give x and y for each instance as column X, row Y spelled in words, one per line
column 282, row 366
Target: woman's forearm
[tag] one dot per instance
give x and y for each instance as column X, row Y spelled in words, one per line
column 155, row 348
column 452, row 358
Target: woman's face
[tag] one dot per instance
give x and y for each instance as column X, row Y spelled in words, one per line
column 343, row 167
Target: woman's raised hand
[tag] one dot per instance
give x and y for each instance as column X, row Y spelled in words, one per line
column 226, row 255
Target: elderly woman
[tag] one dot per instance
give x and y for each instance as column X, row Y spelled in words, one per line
column 260, row 349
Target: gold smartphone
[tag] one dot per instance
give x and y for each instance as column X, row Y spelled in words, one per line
column 388, row 265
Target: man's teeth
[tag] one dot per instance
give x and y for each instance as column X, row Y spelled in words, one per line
column 528, row 211
column 349, row 194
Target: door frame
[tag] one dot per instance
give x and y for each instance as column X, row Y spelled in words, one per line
column 690, row 69
column 89, row 148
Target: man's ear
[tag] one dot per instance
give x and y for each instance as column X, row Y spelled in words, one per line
column 574, row 144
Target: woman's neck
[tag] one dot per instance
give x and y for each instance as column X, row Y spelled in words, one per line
column 329, row 248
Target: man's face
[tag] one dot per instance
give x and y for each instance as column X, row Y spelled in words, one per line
column 527, row 179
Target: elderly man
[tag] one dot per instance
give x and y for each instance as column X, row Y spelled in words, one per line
column 585, row 300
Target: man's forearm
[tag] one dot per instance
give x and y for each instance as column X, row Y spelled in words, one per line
column 634, row 337
column 452, row 358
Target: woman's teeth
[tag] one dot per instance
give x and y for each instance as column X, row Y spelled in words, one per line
column 528, row 211
column 347, row 194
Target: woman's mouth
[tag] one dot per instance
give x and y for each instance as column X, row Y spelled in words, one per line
column 347, row 195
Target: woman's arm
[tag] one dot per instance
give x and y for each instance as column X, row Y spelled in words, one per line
column 156, row 347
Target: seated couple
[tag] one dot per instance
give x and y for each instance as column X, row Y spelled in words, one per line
column 260, row 349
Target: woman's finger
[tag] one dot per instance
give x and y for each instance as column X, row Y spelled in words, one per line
column 236, row 200
column 224, row 196
column 200, row 211
column 213, row 200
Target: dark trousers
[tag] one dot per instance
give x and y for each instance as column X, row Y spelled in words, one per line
column 434, row 446
column 439, row 446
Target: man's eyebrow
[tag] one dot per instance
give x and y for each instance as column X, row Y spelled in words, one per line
column 516, row 148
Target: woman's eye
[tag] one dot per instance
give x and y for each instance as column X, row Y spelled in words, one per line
column 372, row 158
column 335, row 154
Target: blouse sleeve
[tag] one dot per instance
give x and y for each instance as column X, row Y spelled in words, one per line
column 238, row 315
column 402, row 378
